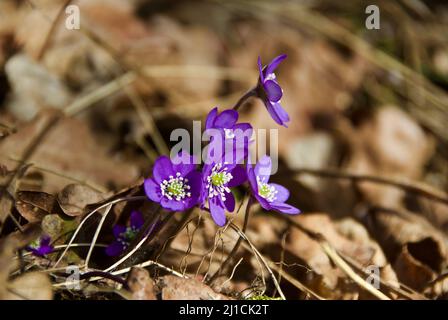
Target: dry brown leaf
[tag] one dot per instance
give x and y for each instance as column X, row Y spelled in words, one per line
column 175, row 288
column 34, row 205
column 68, row 148
column 348, row 237
column 75, row 197
column 30, row 286
column 411, row 271
column 411, row 244
column 390, row 144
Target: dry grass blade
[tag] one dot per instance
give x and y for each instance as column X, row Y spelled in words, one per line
column 410, row 186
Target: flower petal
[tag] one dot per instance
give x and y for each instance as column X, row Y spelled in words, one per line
column 44, row 250
column 230, row 202
column 183, row 163
column 152, row 190
column 270, row 107
column 117, row 230
column 163, row 168
column 282, row 193
column 195, row 183
column 217, row 211
column 44, row 241
column 226, row 119
column 115, row 249
column 172, row 205
column 263, row 168
column 284, row 208
column 136, row 219
column 252, row 179
column 211, row 118
column 283, row 115
column 274, row 63
column 273, row 90
column 239, row 177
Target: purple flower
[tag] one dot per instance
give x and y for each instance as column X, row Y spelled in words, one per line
column 124, row 235
column 271, row 196
column 233, row 138
column 270, row 91
column 218, row 178
column 176, row 185
column 41, row 246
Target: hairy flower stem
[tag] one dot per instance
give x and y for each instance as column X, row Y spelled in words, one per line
column 231, row 257
column 251, row 93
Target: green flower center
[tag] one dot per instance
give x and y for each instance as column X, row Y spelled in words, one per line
column 130, row 233
column 219, row 179
column 175, row 188
column 266, row 191
column 35, row 244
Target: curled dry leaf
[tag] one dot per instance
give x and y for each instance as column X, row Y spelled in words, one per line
column 34, row 205
column 140, row 284
column 411, row 243
column 175, row 288
column 75, row 197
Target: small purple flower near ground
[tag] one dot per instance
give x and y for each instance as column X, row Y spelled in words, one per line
column 218, row 178
column 271, row 196
column 234, row 137
column 41, row 246
column 124, row 235
column 176, row 184
column 270, row 91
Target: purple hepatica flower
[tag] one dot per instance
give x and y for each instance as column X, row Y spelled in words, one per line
column 218, row 178
column 271, row 196
column 175, row 184
column 124, row 235
column 41, row 246
column 270, row 91
column 234, row 137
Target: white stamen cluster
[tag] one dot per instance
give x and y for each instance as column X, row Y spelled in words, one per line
column 270, row 76
column 217, row 182
column 175, row 188
column 229, row 134
column 266, row 191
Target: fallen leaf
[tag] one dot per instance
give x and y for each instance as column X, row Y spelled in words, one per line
column 68, row 148
column 30, row 286
column 34, row 205
column 75, row 197
column 175, row 288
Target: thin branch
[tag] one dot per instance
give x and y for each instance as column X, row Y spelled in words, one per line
column 50, row 33
column 410, row 186
column 266, row 265
column 231, row 255
column 97, row 233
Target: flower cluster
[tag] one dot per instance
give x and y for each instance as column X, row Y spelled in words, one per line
column 178, row 184
column 125, row 234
